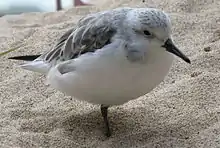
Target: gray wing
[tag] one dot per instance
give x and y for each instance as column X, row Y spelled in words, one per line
column 91, row 33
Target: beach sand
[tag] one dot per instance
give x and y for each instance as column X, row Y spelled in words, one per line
column 184, row 111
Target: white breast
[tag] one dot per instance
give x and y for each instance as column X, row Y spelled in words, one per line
column 110, row 78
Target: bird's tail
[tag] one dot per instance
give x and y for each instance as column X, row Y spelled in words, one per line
column 36, row 64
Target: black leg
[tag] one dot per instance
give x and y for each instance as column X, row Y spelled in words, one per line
column 104, row 111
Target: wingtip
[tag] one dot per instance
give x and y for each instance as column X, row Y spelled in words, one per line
column 13, row 58
column 188, row 61
column 25, row 58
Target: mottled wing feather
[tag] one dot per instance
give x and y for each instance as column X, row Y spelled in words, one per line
column 55, row 52
column 91, row 33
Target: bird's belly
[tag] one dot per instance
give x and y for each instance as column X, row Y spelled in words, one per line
column 112, row 82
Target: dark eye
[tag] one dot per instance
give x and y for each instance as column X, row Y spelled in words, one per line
column 147, row 33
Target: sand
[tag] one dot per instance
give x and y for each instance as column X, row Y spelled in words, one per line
column 184, row 111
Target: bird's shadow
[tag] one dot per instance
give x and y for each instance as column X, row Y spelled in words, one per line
column 91, row 124
column 133, row 125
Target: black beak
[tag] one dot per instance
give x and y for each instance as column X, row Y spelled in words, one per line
column 170, row 47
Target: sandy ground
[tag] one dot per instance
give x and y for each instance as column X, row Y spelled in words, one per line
column 184, row 111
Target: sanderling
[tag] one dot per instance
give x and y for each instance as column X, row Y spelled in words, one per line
column 110, row 57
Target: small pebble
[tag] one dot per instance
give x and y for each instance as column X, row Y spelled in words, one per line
column 186, row 138
column 207, row 49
